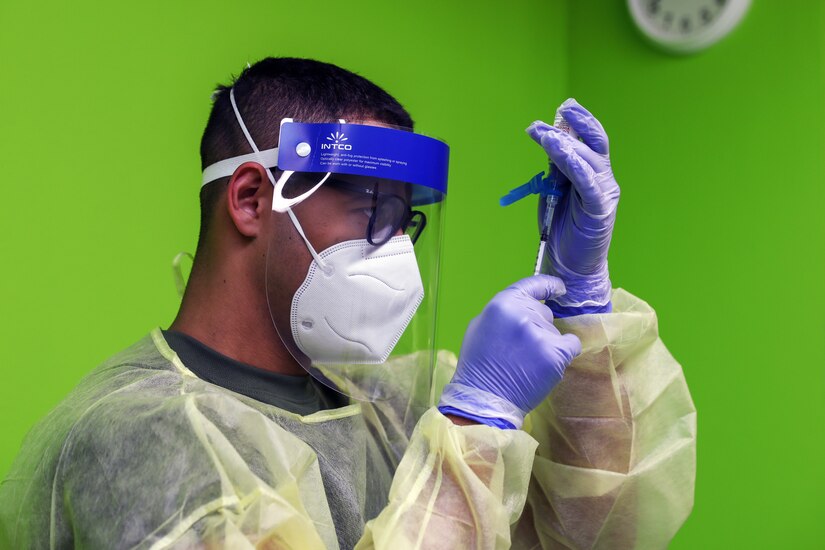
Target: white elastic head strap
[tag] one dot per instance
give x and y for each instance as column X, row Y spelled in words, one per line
column 227, row 167
column 267, row 159
column 284, row 204
column 256, row 154
column 279, row 202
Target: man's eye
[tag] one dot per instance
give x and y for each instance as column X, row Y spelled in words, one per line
column 367, row 211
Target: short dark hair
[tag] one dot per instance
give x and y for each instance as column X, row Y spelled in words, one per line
column 275, row 88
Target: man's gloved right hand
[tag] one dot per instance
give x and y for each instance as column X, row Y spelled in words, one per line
column 511, row 357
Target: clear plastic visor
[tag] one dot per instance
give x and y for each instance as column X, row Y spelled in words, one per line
column 352, row 274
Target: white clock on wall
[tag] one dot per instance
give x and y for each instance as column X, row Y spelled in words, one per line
column 685, row 26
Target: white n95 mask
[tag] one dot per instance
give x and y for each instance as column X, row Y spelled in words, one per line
column 355, row 303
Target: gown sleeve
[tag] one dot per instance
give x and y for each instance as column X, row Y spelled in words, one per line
column 615, row 465
column 456, row 487
column 616, row 461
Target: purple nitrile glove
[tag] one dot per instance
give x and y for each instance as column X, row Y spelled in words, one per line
column 511, row 356
column 583, row 221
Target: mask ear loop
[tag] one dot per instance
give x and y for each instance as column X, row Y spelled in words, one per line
column 279, row 202
column 326, row 268
column 177, row 271
column 282, row 204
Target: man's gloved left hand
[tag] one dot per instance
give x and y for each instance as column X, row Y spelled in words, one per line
column 511, row 356
column 583, row 222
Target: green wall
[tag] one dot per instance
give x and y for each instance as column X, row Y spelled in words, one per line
column 102, row 109
column 720, row 228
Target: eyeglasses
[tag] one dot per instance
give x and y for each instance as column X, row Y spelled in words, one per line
column 390, row 213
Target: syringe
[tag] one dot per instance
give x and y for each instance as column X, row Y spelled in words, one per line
column 551, row 189
column 552, row 193
column 550, row 202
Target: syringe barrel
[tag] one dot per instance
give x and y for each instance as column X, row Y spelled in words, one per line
column 550, row 202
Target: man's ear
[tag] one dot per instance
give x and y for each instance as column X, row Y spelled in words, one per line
column 249, row 198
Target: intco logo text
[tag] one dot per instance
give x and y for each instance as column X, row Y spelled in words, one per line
column 337, row 139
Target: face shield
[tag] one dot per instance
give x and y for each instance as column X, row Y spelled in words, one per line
column 355, row 302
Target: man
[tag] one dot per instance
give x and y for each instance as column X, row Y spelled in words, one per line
column 291, row 402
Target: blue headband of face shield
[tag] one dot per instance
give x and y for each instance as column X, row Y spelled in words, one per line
column 354, row 149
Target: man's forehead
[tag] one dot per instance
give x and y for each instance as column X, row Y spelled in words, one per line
column 371, row 185
column 377, row 184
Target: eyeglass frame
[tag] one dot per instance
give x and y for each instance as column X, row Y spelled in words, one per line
column 402, row 224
